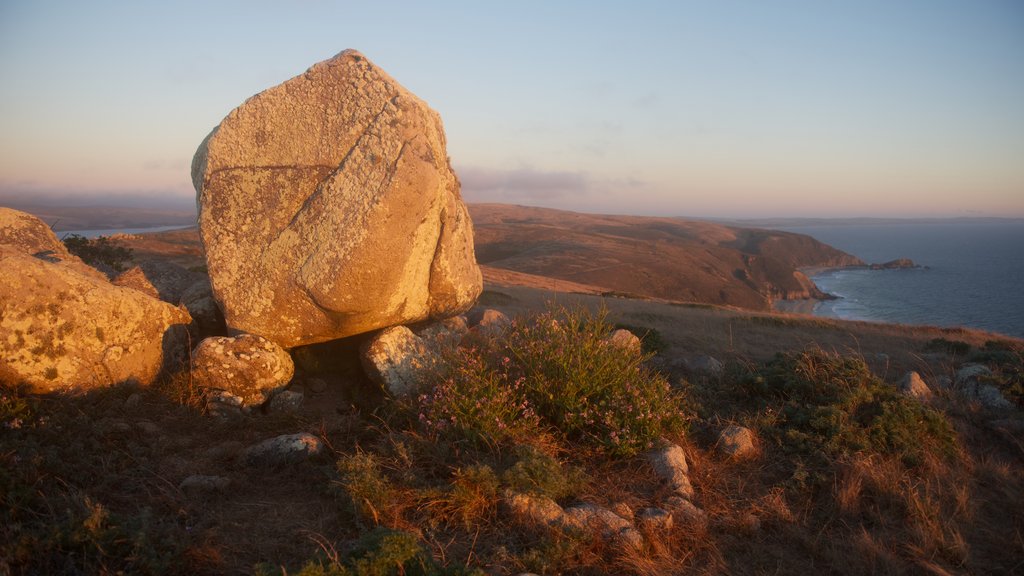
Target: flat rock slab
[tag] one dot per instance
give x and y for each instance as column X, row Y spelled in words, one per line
column 328, row 208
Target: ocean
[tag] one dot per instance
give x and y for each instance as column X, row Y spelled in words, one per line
column 974, row 274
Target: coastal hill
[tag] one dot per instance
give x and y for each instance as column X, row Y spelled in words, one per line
column 665, row 258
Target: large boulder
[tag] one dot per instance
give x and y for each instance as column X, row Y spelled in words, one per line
column 164, row 280
column 64, row 329
column 248, row 367
column 328, row 208
column 30, row 235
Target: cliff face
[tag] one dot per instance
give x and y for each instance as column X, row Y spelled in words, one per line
column 666, row 258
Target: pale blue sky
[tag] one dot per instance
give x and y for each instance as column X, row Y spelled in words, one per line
column 717, row 108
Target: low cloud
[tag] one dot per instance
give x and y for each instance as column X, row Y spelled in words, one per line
column 523, row 184
column 28, row 194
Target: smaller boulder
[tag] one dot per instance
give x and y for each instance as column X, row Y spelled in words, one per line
column 705, row 365
column 135, row 279
column 973, row 382
column 447, row 331
column 669, row 463
column 199, row 301
column 911, row 385
column 285, row 402
column 685, row 511
column 247, row 366
column 626, row 340
column 655, row 519
column 488, row 321
column 395, row 358
column 736, row 442
column 531, row 509
column 286, row 449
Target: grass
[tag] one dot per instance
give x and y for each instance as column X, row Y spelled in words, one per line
column 849, row 474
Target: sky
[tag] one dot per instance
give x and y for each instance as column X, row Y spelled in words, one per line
column 722, row 108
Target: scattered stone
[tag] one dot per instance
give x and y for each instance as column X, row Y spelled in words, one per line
column 914, row 387
column 626, row 340
column 488, row 321
column 685, row 511
column 198, row 484
column 286, row 449
column 596, row 518
column 285, row 402
column 447, row 331
column 395, row 358
column 736, row 441
column 971, row 383
column 148, row 428
column 328, row 208
column 705, row 365
column 64, row 330
column 531, row 509
column 247, row 366
column 670, row 465
column 655, row 519
column 225, row 405
column 199, row 301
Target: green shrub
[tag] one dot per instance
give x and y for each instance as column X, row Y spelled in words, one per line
column 381, row 552
column 537, row 473
column 590, row 390
column 98, row 251
column 831, row 405
column 952, row 347
column 369, row 492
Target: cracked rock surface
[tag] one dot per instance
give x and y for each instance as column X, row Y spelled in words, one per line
column 328, row 208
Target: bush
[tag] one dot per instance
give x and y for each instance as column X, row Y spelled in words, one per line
column 555, row 372
column 369, row 492
column 537, row 473
column 951, row 347
column 98, row 251
column 831, row 405
column 381, row 552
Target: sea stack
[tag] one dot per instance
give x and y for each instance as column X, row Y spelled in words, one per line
column 328, row 208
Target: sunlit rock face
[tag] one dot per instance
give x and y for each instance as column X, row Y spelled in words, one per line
column 328, row 207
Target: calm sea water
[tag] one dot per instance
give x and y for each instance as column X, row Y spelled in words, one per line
column 974, row 275
column 112, row 231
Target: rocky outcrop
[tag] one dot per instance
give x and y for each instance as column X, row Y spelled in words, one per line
column 897, row 264
column 328, row 208
column 30, row 235
column 62, row 329
column 247, row 366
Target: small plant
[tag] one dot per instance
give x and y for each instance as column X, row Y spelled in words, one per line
column 380, row 552
column 537, row 473
column 98, row 251
column 831, row 405
column 951, row 347
column 369, row 492
column 471, row 497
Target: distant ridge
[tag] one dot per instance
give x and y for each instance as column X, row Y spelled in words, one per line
column 665, row 258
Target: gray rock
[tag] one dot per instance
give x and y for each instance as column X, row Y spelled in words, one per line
column 198, row 484
column 202, row 306
column 736, row 441
column 488, row 320
column 247, row 366
column 315, row 385
column 596, row 517
column 286, row 449
column 328, row 208
column 669, row 463
column 705, row 365
column 685, row 511
column 285, row 402
column 532, row 509
column 225, row 405
column 626, row 340
column 655, row 519
column 396, row 359
column 971, row 382
column 913, row 386
column 133, row 402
